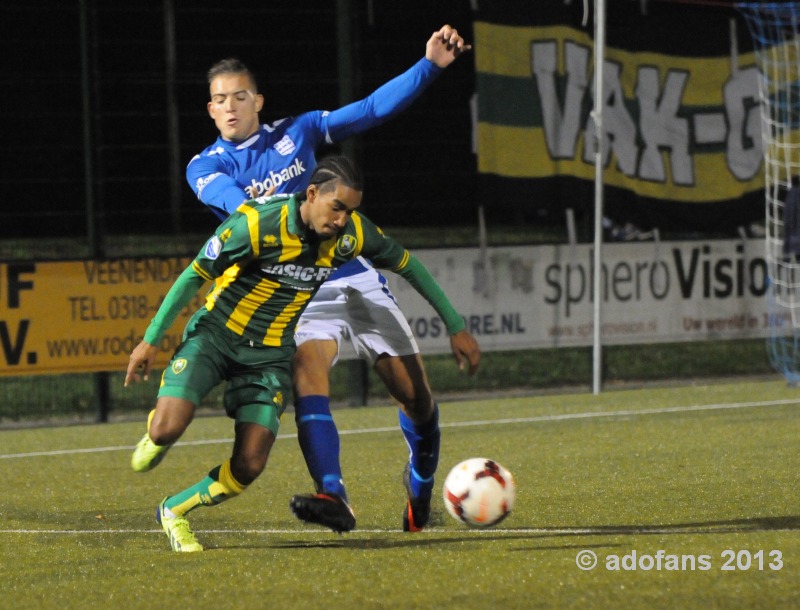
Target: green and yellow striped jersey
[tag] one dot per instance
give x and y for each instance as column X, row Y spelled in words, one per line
column 266, row 266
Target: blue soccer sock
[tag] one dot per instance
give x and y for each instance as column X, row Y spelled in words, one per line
column 423, row 443
column 319, row 441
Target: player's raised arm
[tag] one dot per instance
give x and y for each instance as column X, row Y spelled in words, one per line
column 442, row 49
column 444, row 46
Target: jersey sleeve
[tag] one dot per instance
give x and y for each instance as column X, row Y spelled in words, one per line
column 179, row 295
column 231, row 245
column 234, row 243
column 416, row 274
column 382, row 104
column 209, row 178
column 385, row 253
column 382, row 251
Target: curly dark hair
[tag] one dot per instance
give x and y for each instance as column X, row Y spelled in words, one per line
column 336, row 167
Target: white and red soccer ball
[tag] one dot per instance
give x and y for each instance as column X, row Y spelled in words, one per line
column 479, row 492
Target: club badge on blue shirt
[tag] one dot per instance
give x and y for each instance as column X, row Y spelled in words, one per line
column 285, row 146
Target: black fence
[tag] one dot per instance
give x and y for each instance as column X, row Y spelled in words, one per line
column 107, row 104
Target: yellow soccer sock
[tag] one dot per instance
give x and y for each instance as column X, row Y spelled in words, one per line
column 150, row 417
column 218, row 486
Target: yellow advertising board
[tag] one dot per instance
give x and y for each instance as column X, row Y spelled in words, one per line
column 83, row 316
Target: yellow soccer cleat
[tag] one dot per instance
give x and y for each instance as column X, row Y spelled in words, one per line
column 181, row 537
column 147, row 454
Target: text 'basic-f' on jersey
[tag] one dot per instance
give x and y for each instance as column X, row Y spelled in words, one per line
column 267, row 265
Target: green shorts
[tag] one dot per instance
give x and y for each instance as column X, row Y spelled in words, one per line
column 259, row 377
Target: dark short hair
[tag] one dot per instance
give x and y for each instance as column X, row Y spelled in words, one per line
column 230, row 65
column 337, row 167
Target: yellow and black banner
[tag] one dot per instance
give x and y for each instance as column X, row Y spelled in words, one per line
column 680, row 109
column 83, row 316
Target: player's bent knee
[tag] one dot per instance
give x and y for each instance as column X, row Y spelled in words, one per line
column 247, row 469
column 419, row 410
column 162, row 437
column 170, row 421
column 417, row 400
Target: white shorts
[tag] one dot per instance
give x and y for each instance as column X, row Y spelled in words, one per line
column 361, row 315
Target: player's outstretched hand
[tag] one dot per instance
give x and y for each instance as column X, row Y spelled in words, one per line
column 142, row 357
column 444, row 46
column 466, row 351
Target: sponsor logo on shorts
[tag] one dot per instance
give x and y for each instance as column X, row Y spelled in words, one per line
column 278, row 400
column 179, row 365
column 213, row 248
column 346, row 245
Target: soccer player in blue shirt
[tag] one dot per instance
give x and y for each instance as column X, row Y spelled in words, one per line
column 249, row 159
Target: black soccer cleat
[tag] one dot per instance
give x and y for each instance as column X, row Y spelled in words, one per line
column 326, row 509
column 418, row 510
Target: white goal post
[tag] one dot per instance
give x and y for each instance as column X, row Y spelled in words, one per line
column 775, row 29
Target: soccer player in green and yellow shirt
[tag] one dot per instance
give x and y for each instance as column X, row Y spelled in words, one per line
column 266, row 260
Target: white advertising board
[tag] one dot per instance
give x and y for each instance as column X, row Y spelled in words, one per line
column 526, row 297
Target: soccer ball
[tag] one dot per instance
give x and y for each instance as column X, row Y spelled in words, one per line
column 479, row 492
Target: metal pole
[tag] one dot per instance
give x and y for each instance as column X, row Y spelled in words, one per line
column 357, row 371
column 344, row 55
column 101, row 392
column 173, row 132
column 599, row 59
column 86, row 108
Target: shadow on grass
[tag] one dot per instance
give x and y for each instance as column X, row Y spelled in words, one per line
column 752, row 524
column 434, row 538
column 756, row 524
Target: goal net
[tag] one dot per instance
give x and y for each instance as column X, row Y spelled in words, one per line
column 775, row 29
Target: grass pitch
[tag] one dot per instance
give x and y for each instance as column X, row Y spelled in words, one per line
column 672, row 486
